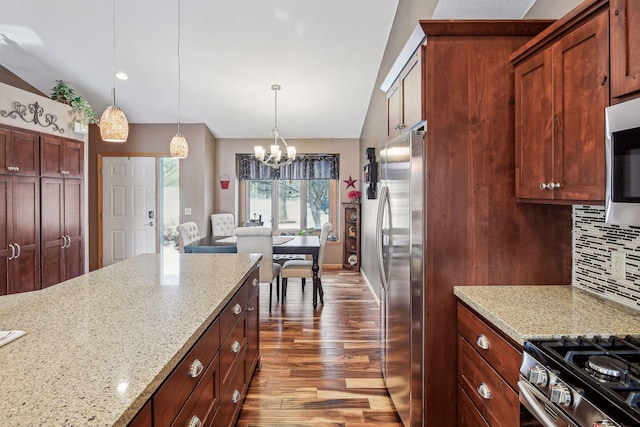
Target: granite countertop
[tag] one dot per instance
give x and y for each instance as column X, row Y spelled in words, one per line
column 549, row 312
column 98, row 346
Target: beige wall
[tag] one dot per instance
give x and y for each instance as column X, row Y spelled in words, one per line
column 196, row 171
column 350, row 164
column 374, row 131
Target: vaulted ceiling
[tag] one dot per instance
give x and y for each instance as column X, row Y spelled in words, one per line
column 325, row 54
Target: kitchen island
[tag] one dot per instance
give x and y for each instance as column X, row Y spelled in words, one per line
column 97, row 347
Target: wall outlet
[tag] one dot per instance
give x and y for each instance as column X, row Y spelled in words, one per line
column 618, row 261
column 187, row 211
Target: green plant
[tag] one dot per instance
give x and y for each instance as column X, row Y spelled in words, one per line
column 64, row 93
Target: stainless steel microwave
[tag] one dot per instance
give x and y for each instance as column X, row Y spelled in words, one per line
column 622, row 203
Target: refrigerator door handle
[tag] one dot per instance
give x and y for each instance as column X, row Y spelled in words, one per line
column 384, row 194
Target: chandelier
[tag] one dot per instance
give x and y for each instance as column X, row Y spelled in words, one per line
column 276, row 157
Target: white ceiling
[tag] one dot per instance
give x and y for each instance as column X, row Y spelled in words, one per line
column 324, row 53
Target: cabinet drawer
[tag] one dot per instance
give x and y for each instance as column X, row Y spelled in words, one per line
column 230, row 351
column 233, row 312
column 468, row 415
column 500, row 404
column 501, row 355
column 173, row 393
column 203, row 402
column 253, row 286
column 231, row 400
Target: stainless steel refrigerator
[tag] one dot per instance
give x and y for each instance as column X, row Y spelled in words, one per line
column 399, row 236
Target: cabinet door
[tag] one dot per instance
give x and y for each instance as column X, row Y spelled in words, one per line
column 5, row 150
column 534, row 135
column 52, row 231
column 411, row 86
column 5, row 229
column 580, row 96
column 625, row 47
column 24, row 271
column 253, row 326
column 74, row 253
column 394, row 111
column 25, row 153
column 51, row 154
column 73, row 159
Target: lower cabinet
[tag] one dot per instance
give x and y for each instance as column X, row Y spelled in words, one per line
column 488, row 370
column 208, row 386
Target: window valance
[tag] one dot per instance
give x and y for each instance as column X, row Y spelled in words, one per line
column 305, row 166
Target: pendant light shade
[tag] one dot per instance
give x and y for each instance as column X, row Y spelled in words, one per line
column 179, row 147
column 114, row 126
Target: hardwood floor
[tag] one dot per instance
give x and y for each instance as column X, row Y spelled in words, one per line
column 322, row 367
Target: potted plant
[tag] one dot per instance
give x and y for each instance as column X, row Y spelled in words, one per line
column 84, row 114
column 354, row 196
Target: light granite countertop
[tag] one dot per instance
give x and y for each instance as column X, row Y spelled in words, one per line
column 98, row 346
column 549, row 312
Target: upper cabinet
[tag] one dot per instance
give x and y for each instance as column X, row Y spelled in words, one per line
column 19, row 153
column 562, row 89
column 61, row 157
column 625, row 47
column 404, row 99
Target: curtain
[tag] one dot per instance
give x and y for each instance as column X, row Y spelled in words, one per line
column 305, row 166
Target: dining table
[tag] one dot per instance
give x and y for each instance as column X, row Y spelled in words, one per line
column 282, row 245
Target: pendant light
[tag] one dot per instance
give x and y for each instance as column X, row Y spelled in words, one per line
column 179, row 148
column 114, row 126
column 275, row 158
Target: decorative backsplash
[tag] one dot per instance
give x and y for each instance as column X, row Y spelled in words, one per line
column 593, row 243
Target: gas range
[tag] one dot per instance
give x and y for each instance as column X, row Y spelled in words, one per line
column 582, row 382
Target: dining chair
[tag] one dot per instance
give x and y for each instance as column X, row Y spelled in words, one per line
column 223, row 224
column 260, row 240
column 303, row 268
column 188, row 234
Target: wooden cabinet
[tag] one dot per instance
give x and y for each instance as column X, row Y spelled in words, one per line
column 19, row 153
column 62, row 237
column 209, row 384
column 562, row 89
column 624, row 31
column 19, row 234
column 404, row 99
column 351, row 237
column 488, row 370
column 61, row 157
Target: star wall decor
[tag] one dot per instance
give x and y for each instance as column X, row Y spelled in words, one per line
column 350, row 182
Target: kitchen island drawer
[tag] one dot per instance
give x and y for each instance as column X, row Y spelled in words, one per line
column 203, row 402
column 494, row 398
column 175, row 391
column 468, row 415
column 501, row 355
column 232, row 398
column 234, row 310
column 231, row 350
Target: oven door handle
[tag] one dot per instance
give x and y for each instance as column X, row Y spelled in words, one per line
column 530, row 401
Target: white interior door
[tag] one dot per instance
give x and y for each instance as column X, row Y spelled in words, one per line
column 128, row 207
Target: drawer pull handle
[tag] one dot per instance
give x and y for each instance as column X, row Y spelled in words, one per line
column 483, row 390
column 237, row 309
column 255, row 282
column 235, row 347
column 250, row 308
column 483, row 342
column 196, row 368
column 235, row 397
column 195, row 422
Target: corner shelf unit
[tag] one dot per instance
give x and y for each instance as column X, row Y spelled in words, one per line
column 351, row 237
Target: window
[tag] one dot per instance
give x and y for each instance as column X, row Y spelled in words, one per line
column 294, row 197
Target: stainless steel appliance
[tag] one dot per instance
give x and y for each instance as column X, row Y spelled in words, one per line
column 583, row 382
column 400, row 258
column 622, row 200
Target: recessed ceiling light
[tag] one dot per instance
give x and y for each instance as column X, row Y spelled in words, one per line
column 122, row 76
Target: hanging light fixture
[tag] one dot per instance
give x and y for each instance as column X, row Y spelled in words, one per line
column 114, row 126
column 179, row 148
column 276, row 157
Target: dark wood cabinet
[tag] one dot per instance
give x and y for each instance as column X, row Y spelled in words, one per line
column 19, row 234
column 404, row 99
column 253, row 327
column 19, row 153
column 624, row 17
column 62, row 236
column 61, row 157
column 351, row 237
column 488, row 369
column 562, row 89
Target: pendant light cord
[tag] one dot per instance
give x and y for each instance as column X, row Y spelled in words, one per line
column 113, row 56
column 179, row 67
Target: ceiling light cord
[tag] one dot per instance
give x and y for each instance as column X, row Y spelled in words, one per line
column 179, row 70
column 113, row 55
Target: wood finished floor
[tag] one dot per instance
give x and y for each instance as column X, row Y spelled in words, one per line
column 320, row 367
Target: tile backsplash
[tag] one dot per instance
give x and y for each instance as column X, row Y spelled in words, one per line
column 593, row 244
